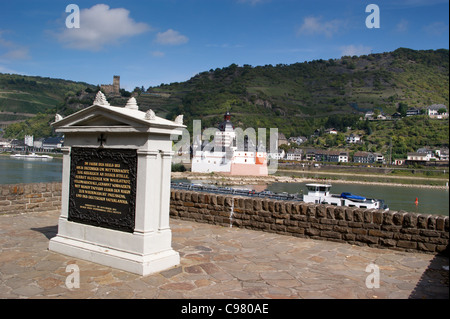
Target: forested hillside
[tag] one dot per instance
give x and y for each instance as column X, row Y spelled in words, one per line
column 297, row 99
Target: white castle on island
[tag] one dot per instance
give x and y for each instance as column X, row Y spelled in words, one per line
column 224, row 155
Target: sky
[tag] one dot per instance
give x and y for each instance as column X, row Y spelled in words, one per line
column 164, row 41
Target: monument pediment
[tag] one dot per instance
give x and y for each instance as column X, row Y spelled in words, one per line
column 102, row 117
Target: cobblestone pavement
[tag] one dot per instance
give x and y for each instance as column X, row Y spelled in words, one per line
column 217, row 262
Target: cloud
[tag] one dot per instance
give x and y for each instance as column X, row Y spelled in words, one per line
column 225, row 46
column 316, row 26
column 171, row 37
column 101, row 26
column 436, row 28
column 402, row 26
column 10, row 51
column 158, row 54
column 351, row 50
column 4, row 69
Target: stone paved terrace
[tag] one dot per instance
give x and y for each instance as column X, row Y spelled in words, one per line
column 217, row 262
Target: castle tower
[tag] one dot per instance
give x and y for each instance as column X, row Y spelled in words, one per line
column 116, row 84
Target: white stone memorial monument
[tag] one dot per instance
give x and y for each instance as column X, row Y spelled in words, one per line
column 116, row 187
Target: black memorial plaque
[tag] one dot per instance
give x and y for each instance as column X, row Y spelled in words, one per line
column 103, row 187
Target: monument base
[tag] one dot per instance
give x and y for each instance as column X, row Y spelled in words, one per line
column 139, row 258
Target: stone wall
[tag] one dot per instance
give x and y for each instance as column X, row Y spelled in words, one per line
column 395, row 230
column 20, row 198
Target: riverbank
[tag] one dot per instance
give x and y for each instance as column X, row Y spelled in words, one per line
column 228, row 180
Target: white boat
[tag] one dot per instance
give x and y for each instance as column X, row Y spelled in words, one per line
column 31, row 156
column 320, row 194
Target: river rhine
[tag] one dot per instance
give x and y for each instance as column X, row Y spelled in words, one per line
column 431, row 201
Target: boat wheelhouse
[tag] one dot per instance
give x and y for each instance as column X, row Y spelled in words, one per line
column 320, row 194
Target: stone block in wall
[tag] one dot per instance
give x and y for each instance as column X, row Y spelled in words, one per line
column 220, row 200
column 409, row 220
column 391, row 228
column 322, row 226
column 388, row 218
column 388, row 242
column 213, row 199
column 280, row 207
column 311, row 210
column 358, row 215
column 422, row 221
column 377, row 217
column 271, row 206
column 330, row 234
column 257, row 204
column 228, row 201
column 349, row 213
column 397, row 218
column 355, row 224
column 368, row 215
column 296, row 209
column 432, row 222
column 328, row 221
column 312, row 231
column 342, row 230
column 426, row 247
column 288, row 207
column 380, row 233
column 407, row 244
column 321, row 211
column 349, row 237
column 201, row 198
column 330, row 212
column 339, row 213
column 359, row 231
column 295, row 230
column 429, row 233
column 367, row 239
column 248, row 204
column 304, row 208
column 440, row 223
column 188, row 204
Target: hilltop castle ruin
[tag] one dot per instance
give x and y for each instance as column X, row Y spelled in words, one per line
column 112, row 88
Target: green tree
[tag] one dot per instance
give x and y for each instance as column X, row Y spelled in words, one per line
column 402, row 108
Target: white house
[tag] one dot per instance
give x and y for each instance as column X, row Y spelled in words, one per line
column 5, row 143
column 295, row 154
column 433, row 111
column 52, row 143
column 278, row 156
column 343, row 157
column 414, row 156
column 353, row 139
column 369, row 115
column 29, row 140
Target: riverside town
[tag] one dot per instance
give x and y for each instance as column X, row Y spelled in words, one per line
column 282, row 156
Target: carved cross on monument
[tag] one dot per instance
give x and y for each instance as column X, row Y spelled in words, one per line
column 101, row 140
